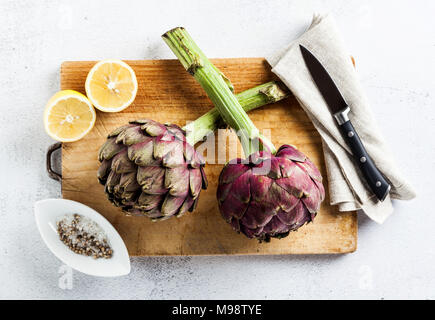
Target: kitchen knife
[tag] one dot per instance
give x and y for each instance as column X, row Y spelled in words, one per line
column 340, row 110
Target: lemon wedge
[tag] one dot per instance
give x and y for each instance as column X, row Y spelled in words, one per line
column 68, row 116
column 111, row 85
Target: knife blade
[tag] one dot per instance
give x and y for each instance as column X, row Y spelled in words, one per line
column 340, row 109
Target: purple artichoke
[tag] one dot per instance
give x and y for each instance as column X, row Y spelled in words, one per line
column 149, row 169
column 272, row 202
column 272, row 193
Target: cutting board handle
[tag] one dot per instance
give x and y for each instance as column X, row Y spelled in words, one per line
column 51, row 173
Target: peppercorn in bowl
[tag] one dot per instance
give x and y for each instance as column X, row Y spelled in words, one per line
column 81, row 238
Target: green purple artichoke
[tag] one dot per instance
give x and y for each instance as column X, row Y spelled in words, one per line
column 149, row 169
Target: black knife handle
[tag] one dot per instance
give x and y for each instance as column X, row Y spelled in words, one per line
column 375, row 180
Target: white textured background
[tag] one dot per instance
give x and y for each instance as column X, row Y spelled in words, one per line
column 394, row 46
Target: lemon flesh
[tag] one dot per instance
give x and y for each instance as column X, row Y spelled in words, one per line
column 68, row 116
column 111, row 85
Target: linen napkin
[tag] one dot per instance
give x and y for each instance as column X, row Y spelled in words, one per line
column 347, row 187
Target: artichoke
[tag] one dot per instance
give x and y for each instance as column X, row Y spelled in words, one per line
column 149, row 169
column 270, row 203
column 274, row 191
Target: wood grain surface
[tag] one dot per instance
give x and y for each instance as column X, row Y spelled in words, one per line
column 168, row 94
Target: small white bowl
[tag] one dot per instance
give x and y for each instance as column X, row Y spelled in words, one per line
column 48, row 211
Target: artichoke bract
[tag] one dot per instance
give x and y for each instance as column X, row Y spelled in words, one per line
column 149, row 169
column 271, row 192
column 272, row 202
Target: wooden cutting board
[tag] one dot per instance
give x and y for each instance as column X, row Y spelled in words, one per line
column 168, row 94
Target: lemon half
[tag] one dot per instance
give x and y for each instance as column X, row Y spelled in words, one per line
column 111, row 85
column 68, row 116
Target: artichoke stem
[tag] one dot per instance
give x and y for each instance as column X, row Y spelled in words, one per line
column 250, row 99
column 217, row 88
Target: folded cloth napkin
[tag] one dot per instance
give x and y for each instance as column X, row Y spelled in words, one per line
column 347, row 187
